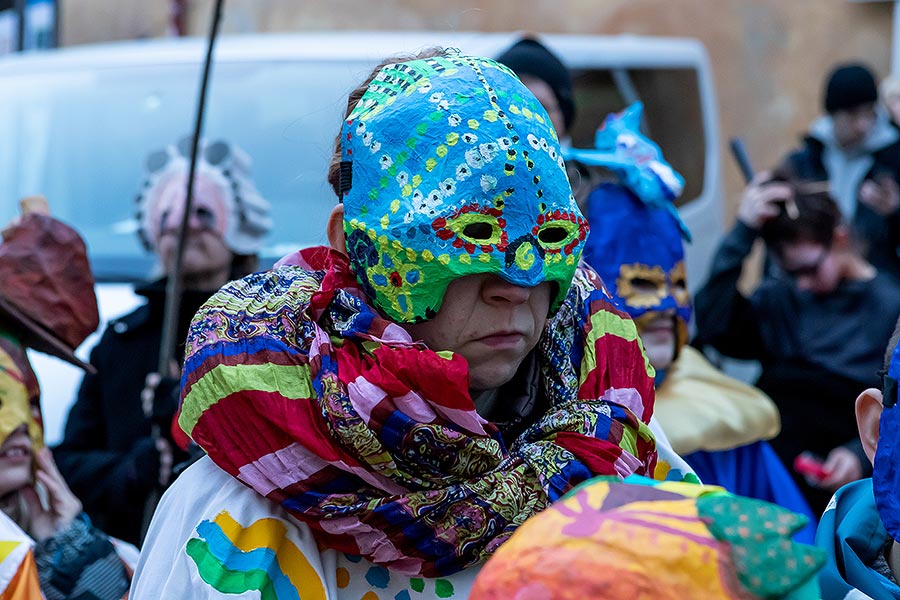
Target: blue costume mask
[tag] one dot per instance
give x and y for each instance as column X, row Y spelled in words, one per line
column 638, row 252
column 636, row 241
column 636, row 160
column 451, row 167
column 886, row 474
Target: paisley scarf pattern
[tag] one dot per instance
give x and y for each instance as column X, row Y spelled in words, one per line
column 295, row 386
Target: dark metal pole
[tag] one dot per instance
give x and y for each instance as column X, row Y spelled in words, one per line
column 56, row 19
column 174, row 281
column 20, row 12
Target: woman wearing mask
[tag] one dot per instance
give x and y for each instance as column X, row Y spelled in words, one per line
column 380, row 415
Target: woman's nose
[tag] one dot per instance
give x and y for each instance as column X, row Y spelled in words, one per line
column 498, row 290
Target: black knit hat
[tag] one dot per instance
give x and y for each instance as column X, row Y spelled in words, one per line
column 530, row 57
column 849, row 86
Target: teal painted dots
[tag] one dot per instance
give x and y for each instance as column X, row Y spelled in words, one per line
column 404, row 595
column 378, row 577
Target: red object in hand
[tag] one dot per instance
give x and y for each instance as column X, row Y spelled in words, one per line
column 810, row 466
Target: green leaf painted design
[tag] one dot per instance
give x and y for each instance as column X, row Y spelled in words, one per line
column 443, row 588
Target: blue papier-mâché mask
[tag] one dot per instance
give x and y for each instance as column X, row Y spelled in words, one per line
column 636, row 160
column 451, row 167
column 638, row 252
column 886, row 472
column 636, row 245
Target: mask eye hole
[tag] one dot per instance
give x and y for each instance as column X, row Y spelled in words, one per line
column 205, row 216
column 644, row 286
column 480, row 232
column 553, row 234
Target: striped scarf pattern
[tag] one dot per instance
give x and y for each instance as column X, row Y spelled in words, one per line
column 295, row 386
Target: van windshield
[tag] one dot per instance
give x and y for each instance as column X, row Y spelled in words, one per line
column 80, row 138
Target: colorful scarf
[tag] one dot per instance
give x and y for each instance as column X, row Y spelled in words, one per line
column 295, row 386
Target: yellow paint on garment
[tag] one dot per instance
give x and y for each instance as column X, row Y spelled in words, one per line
column 395, row 205
column 397, row 245
column 570, row 260
column 484, row 257
column 514, row 109
column 383, row 242
column 452, row 138
column 473, row 124
column 444, row 259
column 342, row 577
column 490, row 115
column 292, row 381
column 416, row 181
column 427, row 256
column 430, row 164
column 410, row 255
column 526, row 112
column 406, row 190
column 385, row 221
column 465, row 259
column 6, row 549
column 441, row 151
column 272, row 534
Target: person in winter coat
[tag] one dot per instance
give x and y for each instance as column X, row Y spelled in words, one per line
column 817, row 328
column 108, row 454
column 48, row 546
column 856, row 149
column 380, row 415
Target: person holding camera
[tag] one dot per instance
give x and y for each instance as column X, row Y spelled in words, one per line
column 855, row 148
column 817, row 327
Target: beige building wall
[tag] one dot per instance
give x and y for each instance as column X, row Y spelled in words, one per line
column 769, row 56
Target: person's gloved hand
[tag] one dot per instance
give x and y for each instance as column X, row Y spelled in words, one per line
column 160, row 398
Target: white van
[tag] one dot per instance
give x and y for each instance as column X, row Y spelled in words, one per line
column 77, row 123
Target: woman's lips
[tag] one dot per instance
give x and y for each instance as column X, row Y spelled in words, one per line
column 502, row 339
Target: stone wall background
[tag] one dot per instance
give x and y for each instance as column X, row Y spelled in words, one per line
column 768, row 56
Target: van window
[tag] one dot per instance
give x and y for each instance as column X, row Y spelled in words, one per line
column 673, row 115
column 80, row 138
